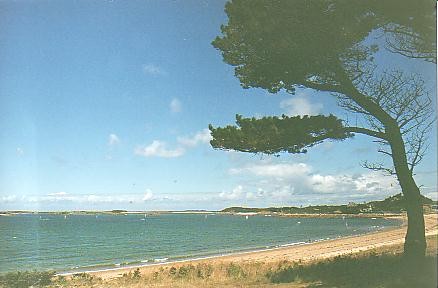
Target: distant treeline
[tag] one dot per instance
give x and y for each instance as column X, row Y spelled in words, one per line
column 392, row 204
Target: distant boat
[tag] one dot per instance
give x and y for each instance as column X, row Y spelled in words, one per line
column 65, row 216
column 246, row 217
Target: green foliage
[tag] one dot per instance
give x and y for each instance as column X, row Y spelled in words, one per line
column 204, row 270
column 85, row 277
column 235, row 271
column 272, row 135
column 371, row 271
column 186, row 270
column 26, row 279
column 201, row 271
column 136, row 274
column 173, row 271
column 127, row 277
column 280, row 44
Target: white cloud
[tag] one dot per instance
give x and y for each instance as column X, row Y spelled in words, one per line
column 62, row 193
column 152, row 69
column 202, row 136
column 235, row 194
column 19, row 151
column 113, row 139
column 300, row 105
column 84, row 198
column 148, row 195
column 274, row 170
column 279, row 182
column 8, row 199
column 175, row 105
column 159, row 149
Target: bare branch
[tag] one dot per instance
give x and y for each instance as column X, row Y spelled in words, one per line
column 378, row 167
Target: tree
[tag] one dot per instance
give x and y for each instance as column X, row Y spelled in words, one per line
column 321, row 45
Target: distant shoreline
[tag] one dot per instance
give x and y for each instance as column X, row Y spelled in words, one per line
column 292, row 215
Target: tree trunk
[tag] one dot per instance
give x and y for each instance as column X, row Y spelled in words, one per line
column 415, row 240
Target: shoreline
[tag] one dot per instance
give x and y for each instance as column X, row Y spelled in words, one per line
column 302, row 251
column 151, row 213
column 236, row 253
column 97, row 268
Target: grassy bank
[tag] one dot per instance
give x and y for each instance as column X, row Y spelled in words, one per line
column 384, row 267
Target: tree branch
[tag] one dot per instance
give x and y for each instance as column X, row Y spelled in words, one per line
column 366, row 131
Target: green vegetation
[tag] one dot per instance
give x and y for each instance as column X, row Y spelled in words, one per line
column 26, row 279
column 370, row 271
column 118, row 211
column 392, row 204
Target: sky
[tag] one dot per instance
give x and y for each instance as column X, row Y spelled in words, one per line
column 106, row 105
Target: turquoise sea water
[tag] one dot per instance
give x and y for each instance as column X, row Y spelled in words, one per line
column 83, row 242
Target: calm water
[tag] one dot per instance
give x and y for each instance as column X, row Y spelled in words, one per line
column 83, row 241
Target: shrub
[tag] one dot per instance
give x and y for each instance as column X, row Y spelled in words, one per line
column 204, row 270
column 136, row 274
column 172, row 271
column 26, row 279
column 235, row 271
column 185, row 270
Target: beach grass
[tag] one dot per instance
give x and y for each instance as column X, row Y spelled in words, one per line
column 372, row 270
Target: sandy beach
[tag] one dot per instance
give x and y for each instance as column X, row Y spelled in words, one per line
column 304, row 252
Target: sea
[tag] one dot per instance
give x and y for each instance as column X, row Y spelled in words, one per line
column 75, row 243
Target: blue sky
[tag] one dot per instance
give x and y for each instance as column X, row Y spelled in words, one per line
column 105, row 105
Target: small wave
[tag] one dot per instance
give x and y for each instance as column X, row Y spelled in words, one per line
column 292, row 244
column 144, row 261
column 161, row 259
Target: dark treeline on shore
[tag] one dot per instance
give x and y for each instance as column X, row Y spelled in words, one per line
column 392, row 204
